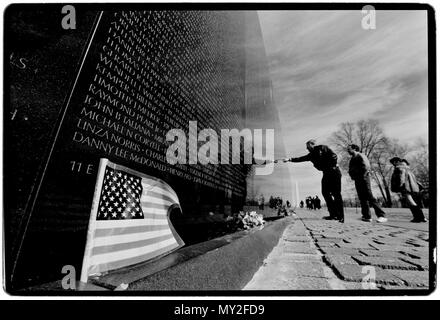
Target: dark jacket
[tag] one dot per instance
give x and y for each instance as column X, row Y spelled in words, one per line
column 359, row 166
column 322, row 157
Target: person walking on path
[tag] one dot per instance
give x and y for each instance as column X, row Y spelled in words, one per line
column 359, row 171
column 404, row 182
column 325, row 160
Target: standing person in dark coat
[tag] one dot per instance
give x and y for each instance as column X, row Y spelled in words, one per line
column 317, row 203
column 359, row 171
column 325, row 160
column 314, row 203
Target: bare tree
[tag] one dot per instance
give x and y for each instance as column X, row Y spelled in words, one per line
column 372, row 141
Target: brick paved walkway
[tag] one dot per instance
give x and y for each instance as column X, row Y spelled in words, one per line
column 315, row 254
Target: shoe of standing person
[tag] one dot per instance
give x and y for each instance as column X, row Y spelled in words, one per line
column 366, row 219
column 420, row 216
column 328, row 218
column 417, row 214
column 381, row 219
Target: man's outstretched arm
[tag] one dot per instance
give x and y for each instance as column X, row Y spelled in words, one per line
column 299, row 159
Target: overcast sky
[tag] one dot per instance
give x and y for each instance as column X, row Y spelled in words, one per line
column 327, row 70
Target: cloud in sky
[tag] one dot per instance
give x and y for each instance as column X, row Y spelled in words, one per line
column 327, row 70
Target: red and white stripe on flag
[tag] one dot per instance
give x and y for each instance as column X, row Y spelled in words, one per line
column 129, row 221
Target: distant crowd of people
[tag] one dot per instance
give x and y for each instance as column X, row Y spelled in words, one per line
column 276, row 203
column 312, row 203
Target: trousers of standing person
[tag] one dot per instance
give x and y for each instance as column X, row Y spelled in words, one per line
column 366, row 198
column 331, row 191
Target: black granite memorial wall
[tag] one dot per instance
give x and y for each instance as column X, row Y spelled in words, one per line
column 112, row 89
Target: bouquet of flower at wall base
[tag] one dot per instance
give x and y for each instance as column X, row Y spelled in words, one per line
column 251, row 219
column 245, row 220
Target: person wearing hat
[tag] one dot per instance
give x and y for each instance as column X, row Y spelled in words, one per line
column 403, row 181
column 325, row 160
column 359, row 171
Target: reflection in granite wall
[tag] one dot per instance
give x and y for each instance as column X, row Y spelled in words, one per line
column 145, row 72
column 41, row 60
column 261, row 112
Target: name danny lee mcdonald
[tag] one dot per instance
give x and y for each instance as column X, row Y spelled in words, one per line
column 221, row 309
